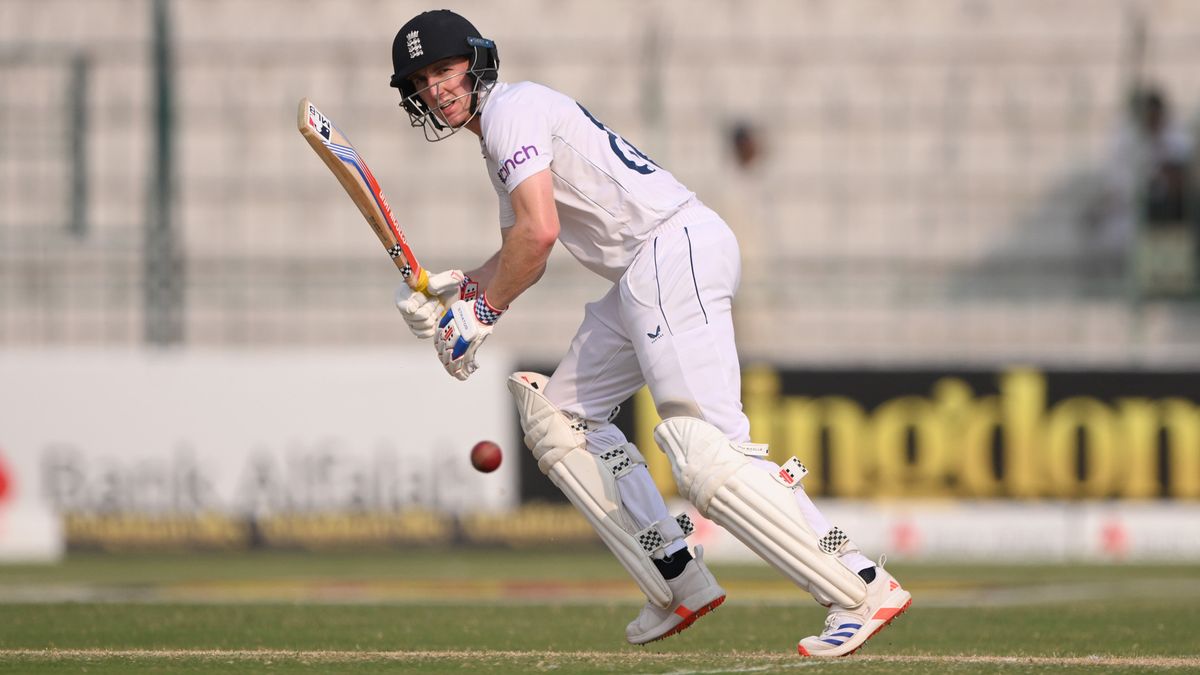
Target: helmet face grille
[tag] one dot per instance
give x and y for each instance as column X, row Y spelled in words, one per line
column 420, row 115
column 431, row 37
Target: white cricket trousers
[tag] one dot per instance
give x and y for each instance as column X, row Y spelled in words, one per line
column 667, row 323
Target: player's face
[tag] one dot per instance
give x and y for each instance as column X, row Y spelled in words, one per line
column 445, row 87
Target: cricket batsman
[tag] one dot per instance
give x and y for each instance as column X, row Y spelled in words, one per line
column 562, row 175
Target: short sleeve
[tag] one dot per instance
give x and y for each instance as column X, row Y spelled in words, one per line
column 517, row 135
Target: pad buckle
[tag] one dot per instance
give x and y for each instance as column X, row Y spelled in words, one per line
column 790, row 473
column 685, row 524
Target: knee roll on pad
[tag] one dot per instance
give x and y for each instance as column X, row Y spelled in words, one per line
column 589, row 481
column 717, row 477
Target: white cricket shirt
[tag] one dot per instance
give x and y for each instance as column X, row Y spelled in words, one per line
column 610, row 196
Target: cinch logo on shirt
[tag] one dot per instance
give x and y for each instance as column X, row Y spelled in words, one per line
column 519, row 157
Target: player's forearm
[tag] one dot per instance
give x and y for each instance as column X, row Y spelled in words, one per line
column 527, row 244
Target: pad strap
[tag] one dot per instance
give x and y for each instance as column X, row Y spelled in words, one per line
column 790, row 473
column 655, row 537
column 622, row 459
column 833, row 541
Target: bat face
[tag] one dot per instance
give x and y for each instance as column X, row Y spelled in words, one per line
column 356, row 178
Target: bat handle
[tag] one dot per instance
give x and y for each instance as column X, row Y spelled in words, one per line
column 422, row 282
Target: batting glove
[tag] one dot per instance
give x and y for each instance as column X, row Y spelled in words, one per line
column 421, row 310
column 461, row 332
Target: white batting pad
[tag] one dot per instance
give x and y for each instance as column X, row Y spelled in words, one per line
column 758, row 509
column 589, row 482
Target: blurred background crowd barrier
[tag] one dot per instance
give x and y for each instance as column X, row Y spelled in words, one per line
column 921, row 190
column 934, row 181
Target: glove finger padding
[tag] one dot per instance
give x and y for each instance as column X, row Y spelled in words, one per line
column 419, row 312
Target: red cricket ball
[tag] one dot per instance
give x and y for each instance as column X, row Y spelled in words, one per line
column 486, row 456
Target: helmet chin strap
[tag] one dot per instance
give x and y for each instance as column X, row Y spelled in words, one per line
column 474, row 98
column 479, row 94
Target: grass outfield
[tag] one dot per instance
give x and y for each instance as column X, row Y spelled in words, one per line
column 514, row 612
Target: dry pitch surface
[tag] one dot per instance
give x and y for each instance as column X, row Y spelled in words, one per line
column 517, row 612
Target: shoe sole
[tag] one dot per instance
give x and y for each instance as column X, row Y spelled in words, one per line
column 804, row 652
column 688, row 620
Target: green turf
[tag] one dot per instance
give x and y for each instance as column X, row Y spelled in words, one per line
column 291, row 619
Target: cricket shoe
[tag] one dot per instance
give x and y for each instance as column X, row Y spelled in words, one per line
column 846, row 630
column 694, row 593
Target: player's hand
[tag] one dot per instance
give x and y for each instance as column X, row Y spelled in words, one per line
column 421, row 310
column 418, row 310
column 461, row 331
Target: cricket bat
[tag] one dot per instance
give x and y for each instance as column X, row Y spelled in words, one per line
column 332, row 146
